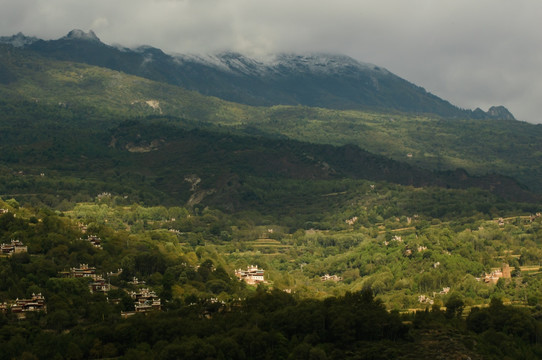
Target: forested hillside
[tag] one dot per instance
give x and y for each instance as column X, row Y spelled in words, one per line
column 143, row 220
column 188, row 259
column 82, row 93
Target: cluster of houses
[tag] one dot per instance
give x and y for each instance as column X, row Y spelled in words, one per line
column 490, row 278
column 94, row 240
column 136, row 281
column 98, row 284
column 145, row 300
column 496, row 274
column 424, row 299
column 396, row 238
column 444, row 291
column 351, row 221
column 252, row 275
column 22, row 306
column 327, row 277
column 15, row 247
column 104, row 195
column 408, row 251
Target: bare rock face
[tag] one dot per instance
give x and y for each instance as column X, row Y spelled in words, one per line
column 500, row 112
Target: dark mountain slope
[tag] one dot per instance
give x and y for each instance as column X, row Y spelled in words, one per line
column 321, row 80
column 87, row 95
column 161, row 159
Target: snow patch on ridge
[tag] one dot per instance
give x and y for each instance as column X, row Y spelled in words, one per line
column 316, row 63
column 321, row 63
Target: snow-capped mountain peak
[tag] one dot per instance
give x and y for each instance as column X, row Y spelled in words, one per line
column 18, row 40
column 311, row 79
column 77, row 34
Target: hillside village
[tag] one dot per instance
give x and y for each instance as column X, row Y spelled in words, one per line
column 131, row 261
column 327, row 209
column 252, row 275
column 20, row 307
column 14, row 247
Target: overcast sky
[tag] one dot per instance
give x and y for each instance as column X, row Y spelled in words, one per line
column 473, row 53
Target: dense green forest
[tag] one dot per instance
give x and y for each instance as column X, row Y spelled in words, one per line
column 378, row 233
column 188, row 258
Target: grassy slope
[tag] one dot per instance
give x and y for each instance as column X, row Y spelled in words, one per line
column 69, row 84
